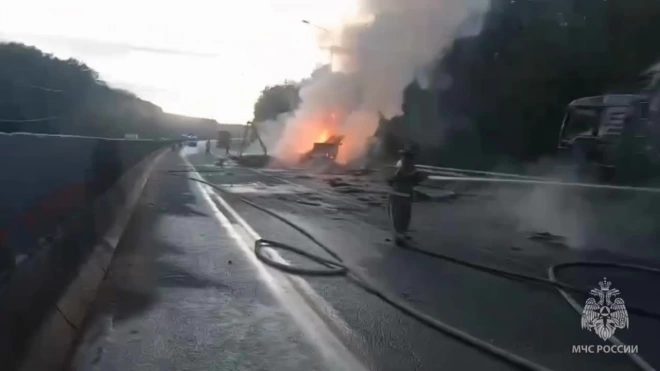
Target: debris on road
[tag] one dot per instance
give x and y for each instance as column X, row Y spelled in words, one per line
column 338, row 182
column 549, row 238
column 253, row 160
column 359, row 172
column 308, row 202
column 349, row 189
column 371, row 201
column 349, row 209
column 433, row 194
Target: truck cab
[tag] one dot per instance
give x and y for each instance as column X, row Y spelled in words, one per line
column 327, row 150
column 604, row 130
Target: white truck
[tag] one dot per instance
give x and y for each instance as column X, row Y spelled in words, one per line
column 618, row 133
column 192, row 140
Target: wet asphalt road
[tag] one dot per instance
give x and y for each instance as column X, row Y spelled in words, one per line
column 180, row 295
column 177, row 325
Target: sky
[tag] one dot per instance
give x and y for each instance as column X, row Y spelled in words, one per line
column 204, row 58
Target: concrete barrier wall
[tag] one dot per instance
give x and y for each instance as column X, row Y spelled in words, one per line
column 58, row 195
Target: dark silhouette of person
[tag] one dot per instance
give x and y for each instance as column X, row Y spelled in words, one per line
column 403, row 183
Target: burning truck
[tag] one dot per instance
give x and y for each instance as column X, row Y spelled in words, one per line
column 318, row 139
column 333, row 136
column 324, row 151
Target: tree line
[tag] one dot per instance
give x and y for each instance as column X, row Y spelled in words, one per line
column 43, row 94
column 502, row 93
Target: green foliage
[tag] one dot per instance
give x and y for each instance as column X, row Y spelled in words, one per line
column 276, row 100
column 511, row 83
column 40, row 93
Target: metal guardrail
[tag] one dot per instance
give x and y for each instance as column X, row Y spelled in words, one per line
column 467, row 172
column 479, row 172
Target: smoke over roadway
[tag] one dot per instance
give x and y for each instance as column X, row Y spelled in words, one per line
column 376, row 55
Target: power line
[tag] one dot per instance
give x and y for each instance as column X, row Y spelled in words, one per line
column 315, row 26
column 38, row 87
column 29, row 120
column 21, row 37
column 42, row 88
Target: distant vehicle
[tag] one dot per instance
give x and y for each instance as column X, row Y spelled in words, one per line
column 192, row 140
column 615, row 133
column 130, row 136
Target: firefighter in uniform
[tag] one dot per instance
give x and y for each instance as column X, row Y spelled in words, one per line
column 403, row 183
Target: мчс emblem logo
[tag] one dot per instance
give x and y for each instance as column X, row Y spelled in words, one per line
column 604, row 313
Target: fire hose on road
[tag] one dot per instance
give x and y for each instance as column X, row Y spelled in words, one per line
column 338, row 267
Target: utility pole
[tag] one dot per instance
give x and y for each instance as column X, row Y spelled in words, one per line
column 332, row 49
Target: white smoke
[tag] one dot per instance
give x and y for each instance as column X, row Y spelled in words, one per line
column 375, row 56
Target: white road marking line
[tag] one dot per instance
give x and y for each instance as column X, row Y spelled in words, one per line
column 330, row 346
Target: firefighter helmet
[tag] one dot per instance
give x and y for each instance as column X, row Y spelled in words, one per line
column 410, row 150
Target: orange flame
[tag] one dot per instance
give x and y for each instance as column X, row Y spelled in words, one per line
column 320, row 127
column 325, row 135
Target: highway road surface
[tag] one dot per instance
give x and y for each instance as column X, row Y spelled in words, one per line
column 185, row 291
